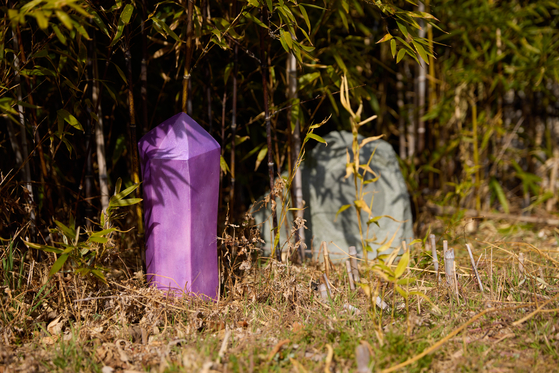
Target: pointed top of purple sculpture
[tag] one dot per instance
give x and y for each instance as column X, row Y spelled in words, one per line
column 167, row 140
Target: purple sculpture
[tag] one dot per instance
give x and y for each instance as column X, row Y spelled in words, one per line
column 180, row 168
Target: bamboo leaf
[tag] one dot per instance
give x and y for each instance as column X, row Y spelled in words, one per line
column 384, row 38
column 69, row 118
column 68, row 232
column 100, row 275
column 401, row 54
column 260, row 157
column 393, row 47
column 377, row 218
column 401, row 291
column 494, row 184
column 126, row 14
column 305, row 16
column 406, row 281
column 313, row 136
column 388, row 244
column 64, row 18
column 123, row 20
column 223, row 165
column 402, row 265
column 370, row 139
column 342, row 209
column 42, row 21
column 125, row 202
column 421, row 51
column 99, row 22
column 286, row 40
column 362, row 205
column 403, row 29
column 59, row 34
column 57, row 266
column 254, row 19
column 102, row 240
column 104, row 232
column 166, row 28
column 46, row 248
column 125, row 192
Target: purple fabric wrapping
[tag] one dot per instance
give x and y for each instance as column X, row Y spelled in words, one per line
column 180, row 169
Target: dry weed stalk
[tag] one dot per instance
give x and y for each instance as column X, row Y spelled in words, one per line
column 350, row 275
column 474, row 266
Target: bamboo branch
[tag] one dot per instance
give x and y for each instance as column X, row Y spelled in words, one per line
column 474, row 266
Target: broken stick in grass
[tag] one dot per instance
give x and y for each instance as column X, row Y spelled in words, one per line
column 326, row 258
column 434, row 252
column 353, row 259
column 474, row 266
column 350, row 275
column 448, row 264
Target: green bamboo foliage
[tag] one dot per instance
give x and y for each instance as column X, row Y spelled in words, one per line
column 488, row 137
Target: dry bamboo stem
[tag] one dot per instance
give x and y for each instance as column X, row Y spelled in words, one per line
column 353, row 260
column 448, row 264
column 264, row 69
column 326, row 258
column 350, row 275
column 434, row 252
column 362, row 357
column 323, row 291
column 553, row 180
column 327, row 282
column 474, row 266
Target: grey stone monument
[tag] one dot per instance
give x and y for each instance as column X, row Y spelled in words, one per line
column 325, row 190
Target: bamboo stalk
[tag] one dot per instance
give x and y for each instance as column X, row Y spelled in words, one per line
column 363, row 358
column 477, row 183
column 421, row 88
column 474, row 266
column 448, row 264
column 132, row 129
column 327, row 282
column 353, row 259
column 36, row 137
column 144, row 69
column 233, row 123
column 432, row 238
column 326, row 258
column 295, row 149
column 223, row 111
column 323, row 291
column 188, row 52
column 208, row 74
column 350, row 275
column 411, row 135
column 401, row 118
column 99, row 134
column 264, row 67
column 553, row 181
column 23, row 133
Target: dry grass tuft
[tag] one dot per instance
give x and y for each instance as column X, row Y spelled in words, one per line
column 270, row 316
